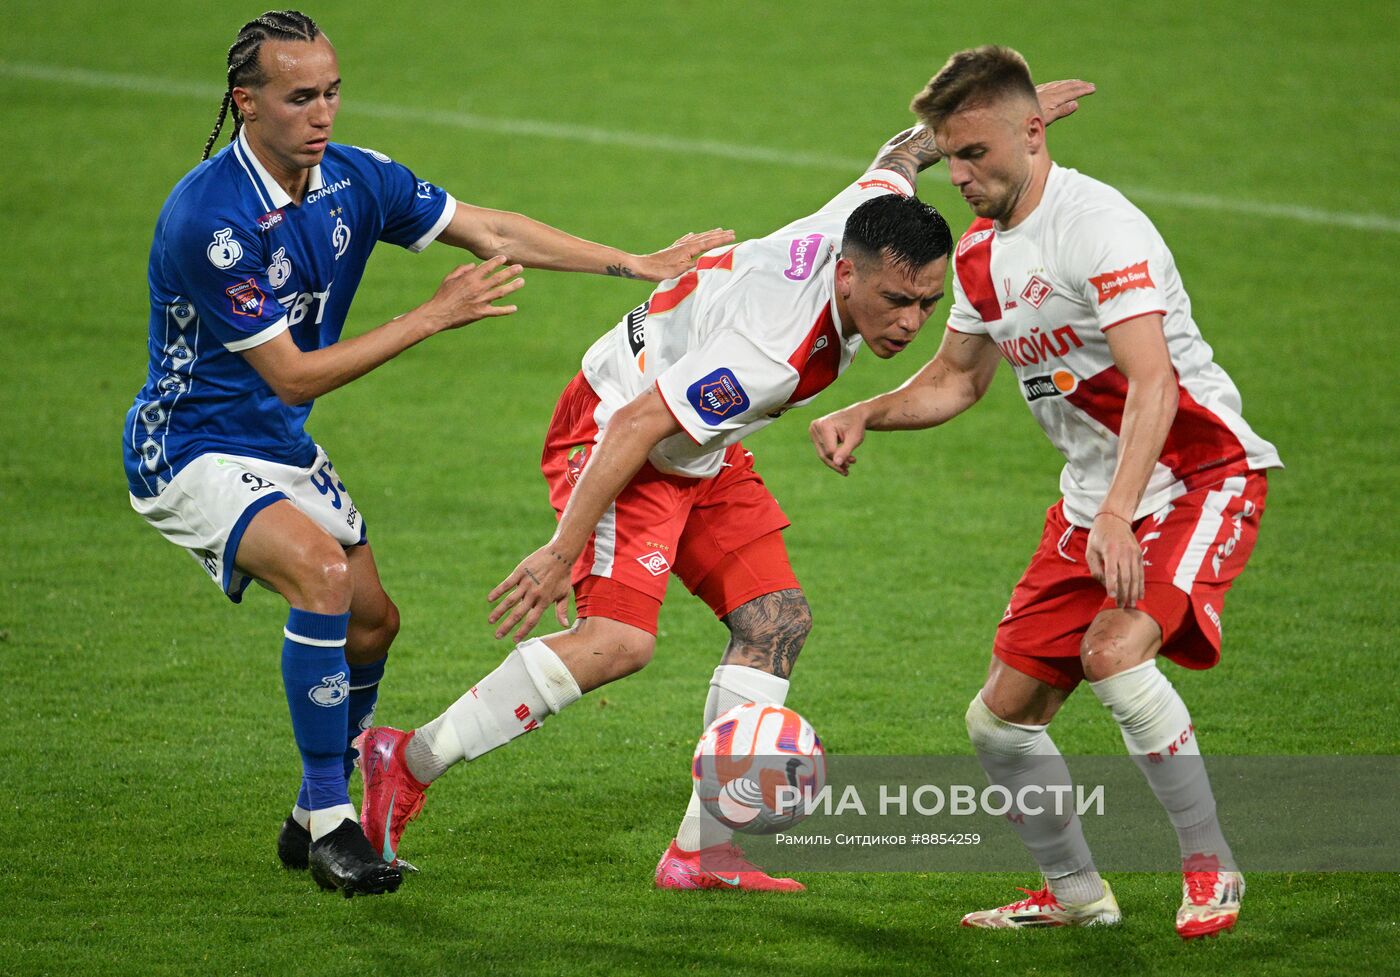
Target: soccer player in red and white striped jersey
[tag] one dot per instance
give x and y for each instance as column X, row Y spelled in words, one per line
column 1163, row 485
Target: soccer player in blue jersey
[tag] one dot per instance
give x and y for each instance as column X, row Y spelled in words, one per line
column 256, row 258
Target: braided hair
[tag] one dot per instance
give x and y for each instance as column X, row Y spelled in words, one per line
column 243, row 67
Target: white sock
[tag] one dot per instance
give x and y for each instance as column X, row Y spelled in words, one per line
column 1016, row 756
column 1159, row 735
column 531, row 684
column 301, row 816
column 730, row 686
column 327, row 819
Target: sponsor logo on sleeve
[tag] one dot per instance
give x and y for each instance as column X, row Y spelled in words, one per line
column 1037, row 290
column 637, row 328
column 1112, row 283
column 717, row 396
column 224, row 251
column 280, row 270
column 271, row 219
column 879, row 184
column 972, row 240
column 424, row 191
column 803, row 254
column 374, row 154
column 245, row 297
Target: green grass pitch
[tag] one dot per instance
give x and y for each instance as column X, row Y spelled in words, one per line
column 149, row 760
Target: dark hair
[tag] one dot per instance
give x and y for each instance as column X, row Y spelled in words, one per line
column 972, row 79
column 902, row 230
column 243, row 67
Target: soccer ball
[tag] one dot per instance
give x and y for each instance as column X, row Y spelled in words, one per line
column 756, row 765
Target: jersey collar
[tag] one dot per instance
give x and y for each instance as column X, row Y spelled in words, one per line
column 269, row 190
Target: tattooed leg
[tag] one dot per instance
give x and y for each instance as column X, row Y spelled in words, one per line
column 768, row 632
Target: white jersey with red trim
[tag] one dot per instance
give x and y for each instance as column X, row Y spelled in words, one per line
column 730, row 345
column 1048, row 290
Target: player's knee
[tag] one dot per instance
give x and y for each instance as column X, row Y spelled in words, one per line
column 629, row 654
column 768, row 632
column 323, row 579
column 981, row 722
column 1110, row 646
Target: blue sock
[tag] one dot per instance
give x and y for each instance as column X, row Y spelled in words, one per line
column 316, row 680
column 364, row 693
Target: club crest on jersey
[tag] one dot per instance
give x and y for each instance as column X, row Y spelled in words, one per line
column 224, row 251
column 246, row 298
column 271, row 219
column 803, row 255
column 340, row 237
column 1037, row 290
column 1112, row 283
column 717, row 395
column 280, row 270
column 332, row 691
column 1061, row 383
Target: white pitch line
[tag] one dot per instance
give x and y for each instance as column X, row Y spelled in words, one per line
column 150, row 85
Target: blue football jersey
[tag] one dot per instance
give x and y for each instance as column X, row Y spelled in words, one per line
column 233, row 264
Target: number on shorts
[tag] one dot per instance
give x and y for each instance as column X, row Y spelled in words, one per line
column 325, row 480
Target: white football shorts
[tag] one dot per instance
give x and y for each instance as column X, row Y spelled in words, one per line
column 207, row 507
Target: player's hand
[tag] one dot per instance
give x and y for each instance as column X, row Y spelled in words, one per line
column 1115, row 559
column 836, row 437
column 468, row 291
column 679, row 257
column 1059, row 98
column 539, row 581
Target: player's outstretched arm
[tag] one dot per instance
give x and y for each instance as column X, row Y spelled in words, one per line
column 526, row 241
column 542, row 579
column 465, row 295
column 950, row 383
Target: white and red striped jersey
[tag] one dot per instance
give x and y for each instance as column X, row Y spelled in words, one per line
column 750, row 332
column 1048, row 290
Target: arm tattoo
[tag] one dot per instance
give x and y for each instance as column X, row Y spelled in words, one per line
column 768, row 632
column 621, row 271
column 909, row 153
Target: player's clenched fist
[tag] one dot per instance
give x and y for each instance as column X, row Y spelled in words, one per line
column 836, row 437
column 467, row 293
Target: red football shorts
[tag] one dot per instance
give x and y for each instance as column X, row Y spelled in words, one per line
column 1192, row 550
column 721, row 536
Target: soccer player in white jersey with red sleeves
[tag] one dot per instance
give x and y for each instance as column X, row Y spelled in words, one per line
column 1163, row 485
column 646, row 470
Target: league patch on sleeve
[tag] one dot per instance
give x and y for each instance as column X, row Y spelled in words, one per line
column 246, row 298
column 717, row 396
column 1113, row 283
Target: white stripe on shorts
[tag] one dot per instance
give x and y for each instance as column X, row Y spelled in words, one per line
column 605, row 543
column 314, row 642
column 1207, row 528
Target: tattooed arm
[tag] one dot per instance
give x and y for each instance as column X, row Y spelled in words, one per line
column 486, row 232
column 913, row 151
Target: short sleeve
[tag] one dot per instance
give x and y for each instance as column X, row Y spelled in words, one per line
column 415, row 211
column 963, row 316
column 1117, row 260
column 221, row 267
column 723, row 386
column 831, row 218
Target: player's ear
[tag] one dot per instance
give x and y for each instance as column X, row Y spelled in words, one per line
column 1035, row 134
column 243, row 101
column 845, row 273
